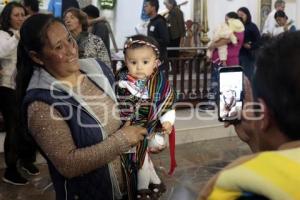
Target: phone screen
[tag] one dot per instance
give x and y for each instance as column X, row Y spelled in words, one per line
column 230, row 99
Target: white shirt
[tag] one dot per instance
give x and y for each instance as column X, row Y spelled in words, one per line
column 270, row 23
column 8, row 59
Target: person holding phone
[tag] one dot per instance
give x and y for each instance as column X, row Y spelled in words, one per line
column 270, row 126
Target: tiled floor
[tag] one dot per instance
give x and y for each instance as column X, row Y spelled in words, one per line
column 196, row 162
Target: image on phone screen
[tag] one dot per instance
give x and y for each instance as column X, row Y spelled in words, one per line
column 230, row 94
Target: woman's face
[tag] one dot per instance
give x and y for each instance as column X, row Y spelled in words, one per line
column 60, row 52
column 242, row 15
column 281, row 21
column 72, row 22
column 17, row 18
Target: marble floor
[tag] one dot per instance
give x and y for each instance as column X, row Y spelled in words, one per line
column 197, row 162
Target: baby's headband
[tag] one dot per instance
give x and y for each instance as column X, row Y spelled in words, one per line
column 130, row 42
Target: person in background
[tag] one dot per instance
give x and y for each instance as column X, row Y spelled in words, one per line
column 225, row 30
column 70, row 110
column 58, row 7
column 283, row 24
column 176, row 26
column 157, row 28
column 99, row 28
column 89, row 45
column 16, row 147
column 31, row 6
column 270, row 22
column 251, row 42
column 270, row 126
column 233, row 51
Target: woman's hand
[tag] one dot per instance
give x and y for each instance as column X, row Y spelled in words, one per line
column 247, row 46
column 134, row 134
column 211, row 46
column 223, row 63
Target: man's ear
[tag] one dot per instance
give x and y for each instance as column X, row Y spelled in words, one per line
column 36, row 57
column 265, row 116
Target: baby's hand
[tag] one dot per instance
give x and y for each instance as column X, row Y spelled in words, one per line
column 167, row 127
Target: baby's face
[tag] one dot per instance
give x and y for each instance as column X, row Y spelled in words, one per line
column 141, row 62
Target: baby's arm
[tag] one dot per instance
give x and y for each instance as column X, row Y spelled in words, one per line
column 233, row 38
column 167, row 121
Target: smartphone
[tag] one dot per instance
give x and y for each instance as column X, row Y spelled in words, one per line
column 231, row 92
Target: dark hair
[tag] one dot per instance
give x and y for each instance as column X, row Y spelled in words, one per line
column 33, row 4
column 80, row 15
column 172, row 2
column 33, row 35
column 91, row 11
column 277, row 82
column 154, row 3
column 280, row 13
column 5, row 24
column 247, row 13
column 132, row 44
column 233, row 15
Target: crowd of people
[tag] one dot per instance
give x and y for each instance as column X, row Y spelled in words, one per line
column 97, row 129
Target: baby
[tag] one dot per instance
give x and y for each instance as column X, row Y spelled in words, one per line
column 146, row 99
column 225, row 31
column 228, row 106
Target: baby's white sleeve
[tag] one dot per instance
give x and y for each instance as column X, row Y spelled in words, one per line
column 168, row 117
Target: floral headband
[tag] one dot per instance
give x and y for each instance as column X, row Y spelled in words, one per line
column 130, row 42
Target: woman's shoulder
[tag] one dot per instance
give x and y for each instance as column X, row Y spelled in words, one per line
column 4, row 34
column 95, row 38
column 96, row 67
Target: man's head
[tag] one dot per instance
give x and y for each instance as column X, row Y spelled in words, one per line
column 92, row 11
column 31, row 6
column 276, row 87
column 151, row 7
column 170, row 4
column 279, row 5
column 280, row 18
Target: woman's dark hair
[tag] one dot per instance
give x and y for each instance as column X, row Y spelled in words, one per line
column 80, row 15
column 139, row 40
column 33, row 4
column 247, row 13
column 153, row 3
column 91, row 11
column 280, row 13
column 232, row 15
column 5, row 23
column 172, row 2
column 277, row 82
column 33, row 36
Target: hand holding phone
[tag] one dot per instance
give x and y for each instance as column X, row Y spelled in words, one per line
column 230, row 97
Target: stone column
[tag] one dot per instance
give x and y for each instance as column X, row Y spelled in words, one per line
column 297, row 14
column 204, row 37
